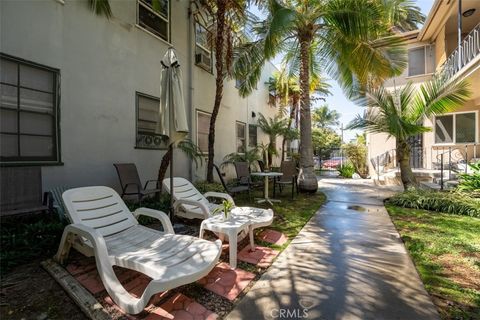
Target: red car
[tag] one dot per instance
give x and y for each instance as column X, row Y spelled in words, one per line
column 332, row 163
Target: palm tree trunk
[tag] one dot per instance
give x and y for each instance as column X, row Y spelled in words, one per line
column 167, row 157
column 406, row 173
column 307, row 181
column 290, row 120
column 219, row 48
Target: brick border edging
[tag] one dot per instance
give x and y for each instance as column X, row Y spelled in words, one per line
column 82, row 298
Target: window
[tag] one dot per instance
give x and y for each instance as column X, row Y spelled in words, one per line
column 154, row 18
column 241, row 137
column 28, row 112
column 252, row 135
column 203, row 54
column 147, row 117
column 238, row 83
column 203, row 127
column 456, row 128
column 421, row 60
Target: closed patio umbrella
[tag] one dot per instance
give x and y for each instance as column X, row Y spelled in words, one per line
column 172, row 118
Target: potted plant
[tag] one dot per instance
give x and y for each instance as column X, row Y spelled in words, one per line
column 225, row 208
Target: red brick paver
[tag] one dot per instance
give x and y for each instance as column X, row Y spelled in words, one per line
column 181, row 307
column 262, row 256
column 273, row 236
column 227, row 282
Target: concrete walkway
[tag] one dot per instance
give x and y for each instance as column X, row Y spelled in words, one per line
column 347, row 263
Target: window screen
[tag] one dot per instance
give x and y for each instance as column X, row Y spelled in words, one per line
column 252, row 135
column 416, row 61
column 241, row 143
column 154, row 18
column 28, row 111
column 203, row 126
column 147, row 117
column 444, row 129
column 465, row 127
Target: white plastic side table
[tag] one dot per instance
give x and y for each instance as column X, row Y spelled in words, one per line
column 241, row 218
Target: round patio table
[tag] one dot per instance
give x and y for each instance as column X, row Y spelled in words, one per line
column 267, row 175
column 241, row 218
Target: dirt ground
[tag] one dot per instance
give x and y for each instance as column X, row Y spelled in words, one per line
column 30, row 293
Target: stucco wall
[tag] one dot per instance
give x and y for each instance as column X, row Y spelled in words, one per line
column 102, row 64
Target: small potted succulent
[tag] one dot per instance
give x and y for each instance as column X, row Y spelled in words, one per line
column 225, row 208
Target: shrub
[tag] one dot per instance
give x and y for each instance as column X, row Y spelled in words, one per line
column 357, row 155
column 204, row 186
column 447, row 202
column 347, row 170
column 471, row 182
column 27, row 238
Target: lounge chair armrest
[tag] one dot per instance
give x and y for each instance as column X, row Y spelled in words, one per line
column 139, row 187
column 219, row 195
column 161, row 216
column 148, row 181
column 202, row 206
column 82, row 230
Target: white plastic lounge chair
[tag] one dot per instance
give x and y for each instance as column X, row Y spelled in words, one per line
column 189, row 202
column 102, row 221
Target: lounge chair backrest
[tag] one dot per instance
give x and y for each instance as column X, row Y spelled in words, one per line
column 224, row 184
column 243, row 172
column 128, row 175
column 289, row 170
column 100, row 208
column 184, row 189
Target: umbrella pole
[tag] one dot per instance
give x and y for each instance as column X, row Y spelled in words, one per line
column 171, row 181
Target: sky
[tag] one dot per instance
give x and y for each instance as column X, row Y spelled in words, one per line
column 337, row 100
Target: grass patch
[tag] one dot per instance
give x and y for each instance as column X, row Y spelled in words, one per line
column 290, row 215
column 446, row 252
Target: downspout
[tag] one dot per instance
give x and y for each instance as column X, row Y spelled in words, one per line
column 459, row 31
column 190, row 85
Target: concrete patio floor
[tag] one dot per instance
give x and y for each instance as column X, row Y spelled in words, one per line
column 348, row 262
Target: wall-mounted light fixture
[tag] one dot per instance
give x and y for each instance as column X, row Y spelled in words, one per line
column 254, row 114
column 468, row 13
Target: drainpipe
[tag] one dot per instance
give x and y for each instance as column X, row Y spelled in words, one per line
column 190, row 84
column 459, row 31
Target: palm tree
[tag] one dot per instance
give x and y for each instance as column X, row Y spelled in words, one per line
column 273, row 127
column 340, row 36
column 287, row 93
column 400, row 114
column 323, row 117
column 228, row 19
column 101, row 7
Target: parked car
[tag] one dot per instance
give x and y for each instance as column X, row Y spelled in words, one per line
column 333, row 163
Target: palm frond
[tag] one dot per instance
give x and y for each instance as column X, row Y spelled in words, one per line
column 100, row 7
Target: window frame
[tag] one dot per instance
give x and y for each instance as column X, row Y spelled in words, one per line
column 55, row 159
column 167, row 20
column 197, row 112
column 454, row 128
column 244, row 136
column 164, row 145
column 424, row 46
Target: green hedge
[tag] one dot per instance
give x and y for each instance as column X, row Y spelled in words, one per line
column 447, row 202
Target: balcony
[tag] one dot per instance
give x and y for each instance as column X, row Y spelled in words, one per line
column 463, row 55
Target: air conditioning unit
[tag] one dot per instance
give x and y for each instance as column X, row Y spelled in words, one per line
column 203, row 60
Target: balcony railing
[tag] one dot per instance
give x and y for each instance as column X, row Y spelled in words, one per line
column 462, row 55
